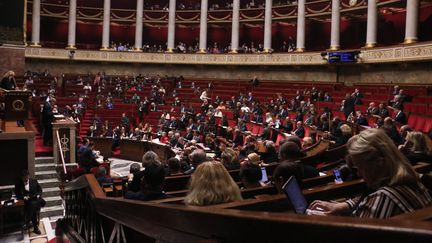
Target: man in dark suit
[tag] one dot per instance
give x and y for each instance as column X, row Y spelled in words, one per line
column 348, row 105
column 30, row 191
column 283, row 112
column 300, row 131
column 382, row 111
column 360, row 119
column 254, row 81
column 87, row 158
column 47, row 119
column 372, row 109
column 357, row 97
column 400, row 117
column 238, row 140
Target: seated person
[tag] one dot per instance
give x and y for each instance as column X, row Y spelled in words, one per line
column 394, row 185
column 88, row 158
column 400, row 117
column 250, row 175
column 212, row 184
column 153, row 180
column 300, row 131
column 270, row 155
column 307, row 142
column 342, row 139
column 102, row 176
column 174, row 167
column 284, row 171
column 415, row 148
column 134, row 168
column 290, row 152
column 197, row 157
column 149, row 157
column 30, row 191
column 230, row 159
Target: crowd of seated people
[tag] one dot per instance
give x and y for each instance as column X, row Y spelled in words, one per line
column 189, row 130
column 214, row 48
column 394, row 186
column 245, row 109
column 191, row 5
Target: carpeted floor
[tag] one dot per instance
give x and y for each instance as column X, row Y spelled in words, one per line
column 40, row 149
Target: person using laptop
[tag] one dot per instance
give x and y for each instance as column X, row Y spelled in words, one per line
column 394, row 186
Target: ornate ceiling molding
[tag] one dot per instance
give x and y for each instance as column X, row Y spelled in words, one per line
column 308, row 58
column 401, row 53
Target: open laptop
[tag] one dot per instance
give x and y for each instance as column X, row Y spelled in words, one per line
column 297, row 199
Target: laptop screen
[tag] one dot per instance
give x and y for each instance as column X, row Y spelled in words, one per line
column 295, row 195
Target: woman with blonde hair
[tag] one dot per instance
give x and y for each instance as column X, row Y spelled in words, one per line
column 268, row 118
column 212, row 184
column 415, row 148
column 394, row 187
column 8, row 81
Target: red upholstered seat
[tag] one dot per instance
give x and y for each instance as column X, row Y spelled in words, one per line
column 408, row 107
column 255, row 129
column 429, row 111
column 279, row 138
column 232, row 123
column 249, row 126
column 420, row 108
column 428, row 125
column 420, row 123
column 412, row 120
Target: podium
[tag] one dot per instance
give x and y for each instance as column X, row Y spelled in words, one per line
column 17, row 143
column 15, row 104
column 64, row 141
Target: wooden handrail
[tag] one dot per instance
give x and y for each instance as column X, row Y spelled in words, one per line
column 166, row 221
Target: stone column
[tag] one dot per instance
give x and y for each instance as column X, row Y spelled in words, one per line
column 301, row 26
column 235, row 26
column 335, row 26
column 106, row 25
column 139, row 25
column 203, row 27
column 171, row 25
column 36, row 24
column 268, row 26
column 411, row 26
column 372, row 22
column 72, row 24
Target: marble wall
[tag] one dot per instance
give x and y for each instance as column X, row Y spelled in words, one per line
column 12, row 58
column 282, row 73
column 418, row 72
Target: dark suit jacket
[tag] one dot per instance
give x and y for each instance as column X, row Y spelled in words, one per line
column 383, row 113
column 401, row 118
column 47, row 114
column 362, row 121
column 7, row 84
column 348, row 106
column 283, row 113
column 238, row 140
column 34, row 189
column 135, row 184
column 300, row 132
column 288, row 127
